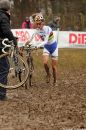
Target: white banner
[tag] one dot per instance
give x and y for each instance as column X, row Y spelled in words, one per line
column 23, row 35
column 72, row 39
column 65, row 39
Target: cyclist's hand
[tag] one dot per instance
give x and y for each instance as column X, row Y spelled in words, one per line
column 27, row 43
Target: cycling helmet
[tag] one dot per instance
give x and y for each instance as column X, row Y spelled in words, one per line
column 39, row 18
column 5, row 5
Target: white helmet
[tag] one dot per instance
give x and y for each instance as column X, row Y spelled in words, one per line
column 39, row 18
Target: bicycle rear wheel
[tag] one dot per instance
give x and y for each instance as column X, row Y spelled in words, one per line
column 18, row 73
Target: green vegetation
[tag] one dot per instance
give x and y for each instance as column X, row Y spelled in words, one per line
column 70, row 62
column 72, row 59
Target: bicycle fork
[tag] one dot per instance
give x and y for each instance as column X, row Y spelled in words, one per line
column 31, row 68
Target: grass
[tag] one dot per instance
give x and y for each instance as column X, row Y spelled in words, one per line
column 70, row 62
column 72, row 59
column 68, row 59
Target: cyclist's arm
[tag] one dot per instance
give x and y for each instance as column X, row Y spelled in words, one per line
column 47, row 32
column 42, row 43
column 39, row 44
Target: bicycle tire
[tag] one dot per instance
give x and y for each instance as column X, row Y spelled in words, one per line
column 31, row 69
column 22, row 80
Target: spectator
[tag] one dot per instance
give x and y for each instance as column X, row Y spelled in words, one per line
column 5, row 32
column 55, row 23
column 26, row 23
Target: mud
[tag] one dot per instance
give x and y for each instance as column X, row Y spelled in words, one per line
column 46, row 107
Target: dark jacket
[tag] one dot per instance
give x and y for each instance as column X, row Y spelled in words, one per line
column 5, row 30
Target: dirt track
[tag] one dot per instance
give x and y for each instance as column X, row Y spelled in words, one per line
column 45, row 107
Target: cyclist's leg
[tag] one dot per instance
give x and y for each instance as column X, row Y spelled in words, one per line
column 45, row 62
column 54, row 57
column 4, row 70
column 54, row 68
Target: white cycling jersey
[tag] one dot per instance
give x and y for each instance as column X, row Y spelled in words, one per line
column 48, row 41
column 47, row 35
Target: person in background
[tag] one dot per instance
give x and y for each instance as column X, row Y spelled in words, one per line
column 26, row 23
column 50, row 46
column 5, row 32
column 55, row 23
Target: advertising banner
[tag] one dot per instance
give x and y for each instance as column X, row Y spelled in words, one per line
column 72, row 39
column 65, row 39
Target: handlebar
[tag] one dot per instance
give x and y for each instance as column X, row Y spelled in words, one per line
column 3, row 42
column 30, row 47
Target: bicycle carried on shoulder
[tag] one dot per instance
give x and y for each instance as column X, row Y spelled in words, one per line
column 18, row 72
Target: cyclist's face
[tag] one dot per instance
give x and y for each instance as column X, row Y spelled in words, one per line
column 40, row 25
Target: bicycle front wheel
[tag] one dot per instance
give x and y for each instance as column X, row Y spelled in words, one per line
column 18, row 72
column 31, row 70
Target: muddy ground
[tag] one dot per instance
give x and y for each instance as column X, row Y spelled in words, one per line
column 46, row 107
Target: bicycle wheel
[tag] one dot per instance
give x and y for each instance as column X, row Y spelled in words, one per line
column 18, row 72
column 31, row 69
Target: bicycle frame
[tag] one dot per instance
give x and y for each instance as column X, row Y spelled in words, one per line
column 29, row 60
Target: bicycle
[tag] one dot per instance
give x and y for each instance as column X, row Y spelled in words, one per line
column 28, row 48
column 18, row 73
column 29, row 59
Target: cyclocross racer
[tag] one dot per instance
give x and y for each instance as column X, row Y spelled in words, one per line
column 50, row 46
